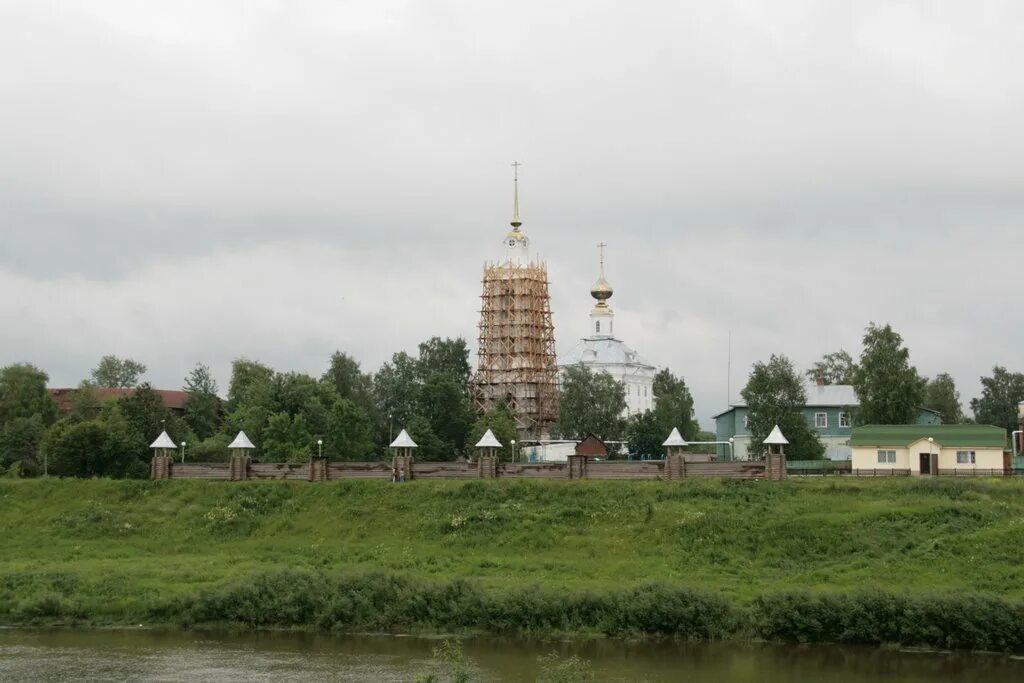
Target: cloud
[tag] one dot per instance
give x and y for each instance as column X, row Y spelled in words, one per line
column 279, row 180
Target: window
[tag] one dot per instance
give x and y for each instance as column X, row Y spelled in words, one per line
column 821, row 420
column 965, row 457
column 599, row 327
column 844, row 419
column 886, row 457
column 645, row 391
column 746, row 422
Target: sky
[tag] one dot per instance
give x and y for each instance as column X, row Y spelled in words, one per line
column 186, row 182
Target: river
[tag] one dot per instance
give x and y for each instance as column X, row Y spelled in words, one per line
column 170, row 656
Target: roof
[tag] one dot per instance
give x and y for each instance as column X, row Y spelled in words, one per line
column 602, row 351
column 825, row 396
column 675, row 439
column 163, row 441
column 592, row 446
column 173, row 399
column 403, row 441
column 979, row 436
column 776, row 438
column 242, row 441
column 489, row 441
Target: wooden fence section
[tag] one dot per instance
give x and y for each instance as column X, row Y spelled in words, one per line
column 547, row 470
column 624, row 469
column 216, row 470
column 241, row 468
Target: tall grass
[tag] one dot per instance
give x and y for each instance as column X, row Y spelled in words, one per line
column 929, row 562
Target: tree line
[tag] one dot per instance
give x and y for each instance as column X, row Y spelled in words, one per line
column 357, row 413
column 889, row 391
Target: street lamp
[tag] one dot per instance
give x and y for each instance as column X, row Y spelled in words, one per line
column 320, row 448
column 391, row 422
column 183, row 452
column 931, row 442
column 513, row 450
column 732, row 448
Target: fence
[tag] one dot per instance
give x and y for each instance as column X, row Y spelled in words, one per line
column 810, row 468
column 242, row 468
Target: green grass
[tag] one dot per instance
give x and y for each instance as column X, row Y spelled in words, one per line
column 121, row 552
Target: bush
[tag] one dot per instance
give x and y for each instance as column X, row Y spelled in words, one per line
column 960, row 621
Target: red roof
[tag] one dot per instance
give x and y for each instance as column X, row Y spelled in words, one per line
column 592, row 446
column 173, row 400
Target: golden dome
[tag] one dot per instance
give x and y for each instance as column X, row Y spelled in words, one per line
column 602, row 291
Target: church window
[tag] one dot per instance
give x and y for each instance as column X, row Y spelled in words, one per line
column 599, row 327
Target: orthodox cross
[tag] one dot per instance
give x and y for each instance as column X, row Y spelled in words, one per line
column 515, row 170
column 601, row 246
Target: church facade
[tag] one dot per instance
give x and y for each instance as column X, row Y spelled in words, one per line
column 601, row 351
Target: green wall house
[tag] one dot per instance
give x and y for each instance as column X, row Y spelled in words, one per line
column 829, row 411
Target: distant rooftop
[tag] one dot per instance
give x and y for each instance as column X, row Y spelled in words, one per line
column 173, row 399
column 945, row 435
column 825, row 396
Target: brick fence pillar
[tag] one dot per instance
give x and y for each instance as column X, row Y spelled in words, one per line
column 487, row 467
column 318, row 469
column 240, row 467
column 775, row 467
column 577, row 467
column 160, row 467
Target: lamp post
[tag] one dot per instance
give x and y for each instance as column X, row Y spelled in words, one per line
column 183, row 443
column 732, row 448
column 931, row 443
column 391, row 425
column 320, row 448
column 513, row 450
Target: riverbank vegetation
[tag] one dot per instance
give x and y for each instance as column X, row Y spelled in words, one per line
column 916, row 561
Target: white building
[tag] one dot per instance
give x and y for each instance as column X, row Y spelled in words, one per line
column 601, row 351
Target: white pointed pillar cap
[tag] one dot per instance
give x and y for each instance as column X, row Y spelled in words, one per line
column 404, row 441
column 776, row 438
column 242, row 442
column 489, row 441
column 675, row 439
column 163, row 441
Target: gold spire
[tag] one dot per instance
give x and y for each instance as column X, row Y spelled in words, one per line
column 515, row 204
column 602, row 291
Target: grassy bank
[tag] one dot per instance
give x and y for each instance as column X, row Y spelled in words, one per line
column 928, row 562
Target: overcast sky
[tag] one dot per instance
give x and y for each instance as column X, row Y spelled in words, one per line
column 198, row 181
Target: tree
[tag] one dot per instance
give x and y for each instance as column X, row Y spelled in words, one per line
column 674, row 405
column 93, row 448
column 940, row 395
column 1000, row 395
column 85, row 402
column 429, row 447
column 202, row 407
column 395, row 389
column 446, row 406
column 113, row 372
column 834, row 368
column 592, row 403
column 20, row 439
column 645, row 434
column 146, row 416
column 775, row 396
column 888, row 386
column 351, row 383
column 349, row 432
column 286, row 439
column 23, row 394
column 448, row 357
column 252, row 383
column 502, row 424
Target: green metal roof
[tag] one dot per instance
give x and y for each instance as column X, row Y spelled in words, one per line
column 980, row 436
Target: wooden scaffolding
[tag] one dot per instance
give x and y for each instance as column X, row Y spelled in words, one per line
column 517, row 363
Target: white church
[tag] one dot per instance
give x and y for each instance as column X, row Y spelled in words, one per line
column 601, row 351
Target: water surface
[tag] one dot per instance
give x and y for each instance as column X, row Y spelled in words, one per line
column 171, row 656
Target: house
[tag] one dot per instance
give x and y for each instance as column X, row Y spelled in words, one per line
column 929, row 449
column 829, row 411
column 173, row 400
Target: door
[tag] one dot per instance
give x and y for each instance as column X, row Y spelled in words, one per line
column 926, row 463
